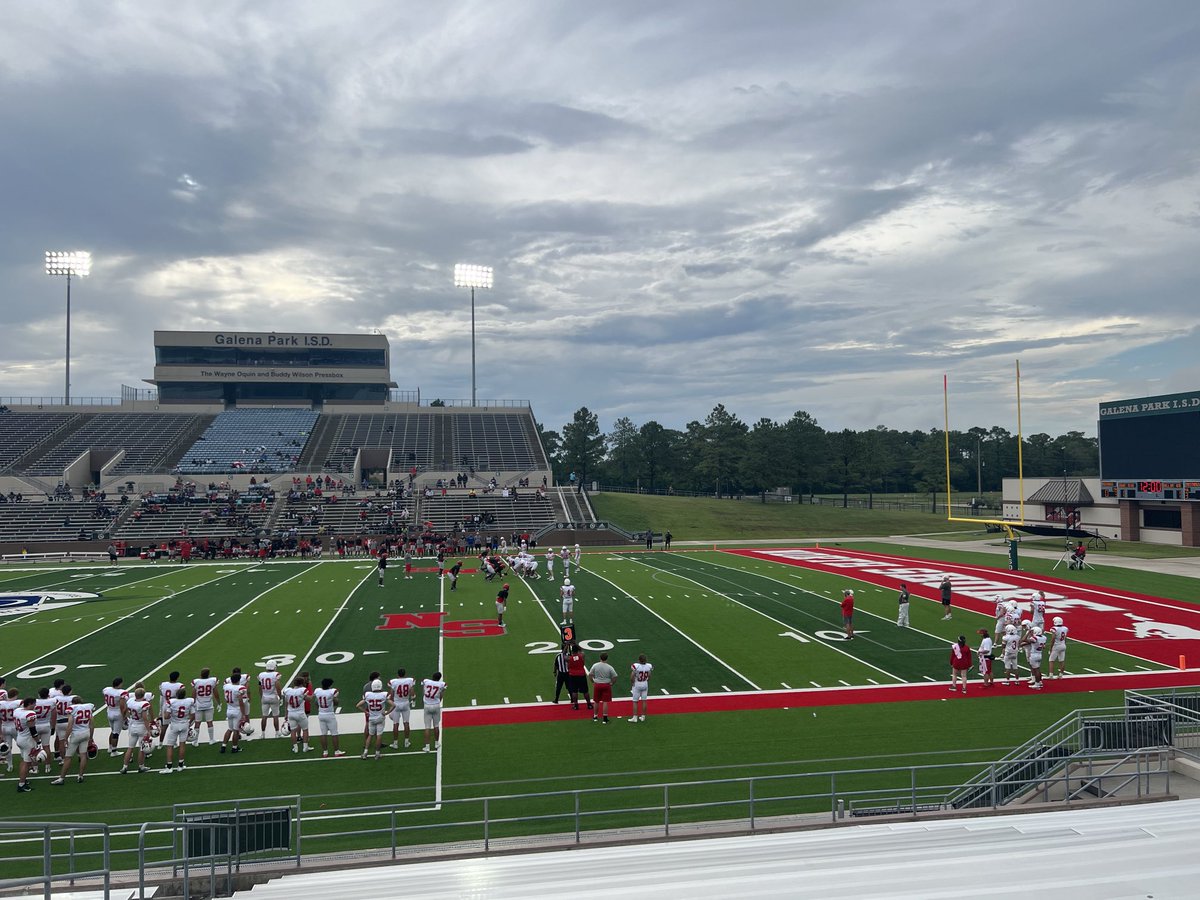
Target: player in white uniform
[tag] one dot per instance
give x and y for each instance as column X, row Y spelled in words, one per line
column 268, row 695
column 62, row 721
column 1036, row 646
column 639, row 687
column 25, row 720
column 180, row 717
column 294, row 698
column 237, row 708
column 167, row 691
column 1037, row 607
column 327, row 700
column 204, row 692
column 1012, row 642
column 565, row 556
column 44, row 708
column 1001, row 616
column 578, row 554
column 114, row 704
column 8, row 723
column 400, row 691
column 375, row 706
column 566, row 594
column 432, row 690
column 1058, row 649
column 550, row 563
column 80, row 738
column 139, row 713
column 985, row 657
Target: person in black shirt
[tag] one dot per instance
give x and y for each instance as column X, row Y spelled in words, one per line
column 454, row 570
column 382, row 566
column 561, row 679
column 501, row 605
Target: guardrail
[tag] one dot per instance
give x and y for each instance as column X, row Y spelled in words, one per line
column 46, row 833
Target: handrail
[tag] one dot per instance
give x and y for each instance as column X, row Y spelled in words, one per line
column 47, row 878
column 184, row 859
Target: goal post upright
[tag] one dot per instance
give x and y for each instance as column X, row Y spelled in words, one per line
column 1006, row 524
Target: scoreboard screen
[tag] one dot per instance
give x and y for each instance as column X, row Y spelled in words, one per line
column 1148, row 447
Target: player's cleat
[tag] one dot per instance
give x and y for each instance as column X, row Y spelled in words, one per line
column 59, row 781
column 236, row 749
column 378, row 755
column 24, row 788
column 295, row 747
column 167, row 771
column 79, row 779
column 304, row 748
column 595, row 718
column 394, row 745
column 142, row 769
column 606, row 720
column 425, row 748
column 364, row 754
column 339, row 752
column 324, row 753
column 407, row 742
column 953, row 688
column 222, row 748
column 641, row 718
column 633, row 718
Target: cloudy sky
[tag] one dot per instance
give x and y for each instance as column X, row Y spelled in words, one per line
column 772, row 205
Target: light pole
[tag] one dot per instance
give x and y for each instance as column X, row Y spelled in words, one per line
column 468, row 276
column 68, row 262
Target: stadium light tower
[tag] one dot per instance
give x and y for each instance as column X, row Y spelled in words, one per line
column 468, row 276
column 68, row 262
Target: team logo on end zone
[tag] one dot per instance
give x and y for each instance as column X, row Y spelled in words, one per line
column 15, row 604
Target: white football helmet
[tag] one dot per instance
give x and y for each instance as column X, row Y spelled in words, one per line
column 5, row 749
column 1010, row 629
column 1037, row 632
column 40, row 755
column 147, row 745
column 376, row 685
column 155, row 731
column 193, row 731
column 284, row 727
column 1012, row 604
column 1058, row 620
column 247, row 729
column 565, row 547
column 566, row 581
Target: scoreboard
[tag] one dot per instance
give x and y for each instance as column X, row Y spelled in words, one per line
column 1151, row 489
column 1148, row 448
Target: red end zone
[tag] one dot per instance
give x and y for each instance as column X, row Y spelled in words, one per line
column 1150, row 628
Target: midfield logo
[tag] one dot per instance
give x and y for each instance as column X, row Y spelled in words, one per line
column 20, row 604
column 461, row 628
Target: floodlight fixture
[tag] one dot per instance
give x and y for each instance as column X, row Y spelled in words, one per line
column 76, row 263
column 470, row 276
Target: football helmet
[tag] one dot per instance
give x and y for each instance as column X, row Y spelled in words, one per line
column 567, row 581
column 1058, row 620
column 92, row 750
column 5, row 749
column 376, row 685
column 247, row 729
column 285, row 727
column 193, row 731
column 1037, row 632
column 1010, row 629
column 155, row 731
column 40, row 755
column 147, row 745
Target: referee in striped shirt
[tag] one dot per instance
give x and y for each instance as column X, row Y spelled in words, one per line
column 560, row 672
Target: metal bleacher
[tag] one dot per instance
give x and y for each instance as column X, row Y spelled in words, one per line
column 409, row 437
column 497, row 441
column 250, row 440
column 146, row 438
column 34, row 521
column 21, row 432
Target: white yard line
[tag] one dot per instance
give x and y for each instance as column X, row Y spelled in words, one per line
column 183, row 650
column 811, row 637
column 686, row 637
column 129, row 615
column 325, row 630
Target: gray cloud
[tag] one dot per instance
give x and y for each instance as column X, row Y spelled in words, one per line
column 771, row 205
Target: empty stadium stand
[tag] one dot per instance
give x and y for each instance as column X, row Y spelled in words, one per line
column 496, row 442
column 21, row 432
column 150, row 441
column 408, row 437
column 250, row 440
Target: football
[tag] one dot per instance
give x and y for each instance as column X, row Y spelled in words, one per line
column 92, row 750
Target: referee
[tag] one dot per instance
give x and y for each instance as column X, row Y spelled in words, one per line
column 560, row 672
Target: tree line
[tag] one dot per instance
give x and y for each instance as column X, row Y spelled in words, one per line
column 723, row 455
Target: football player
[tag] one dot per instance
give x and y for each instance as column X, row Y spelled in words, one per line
column 180, row 717
column 432, row 690
column 1037, row 607
column 566, row 594
column 8, row 723
column 268, row 695
column 62, row 721
column 639, row 683
column 139, row 715
column 167, row 691
column 550, row 563
column 400, row 690
column 25, row 722
column 237, row 708
column 328, row 701
column 375, row 705
column 45, row 708
column 1012, row 642
column 1058, row 649
column 295, row 698
column 1036, row 643
column 81, row 740
column 204, row 692
column 501, row 605
column 114, row 704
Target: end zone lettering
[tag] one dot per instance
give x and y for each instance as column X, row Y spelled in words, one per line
column 462, row 628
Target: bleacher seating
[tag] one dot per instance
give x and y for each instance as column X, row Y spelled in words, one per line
column 147, row 439
column 218, row 514
column 525, row 512
column 333, row 514
column 61, row 520
column 250, row 440
column 409, row 436
column 20, row 432
column 496, row 442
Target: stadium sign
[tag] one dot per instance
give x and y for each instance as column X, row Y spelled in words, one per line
column 1151, row 406
column 19, row 604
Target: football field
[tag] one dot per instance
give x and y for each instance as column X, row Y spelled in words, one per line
column 755, row 634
